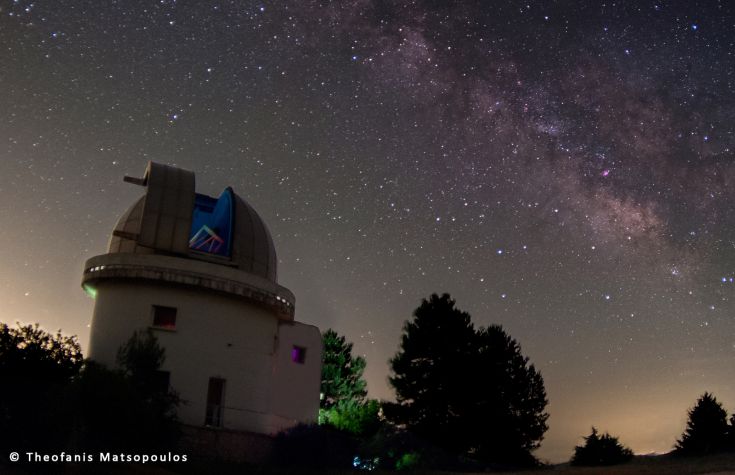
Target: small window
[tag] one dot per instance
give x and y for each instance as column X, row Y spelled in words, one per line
column 164, row 317
column 298, row 354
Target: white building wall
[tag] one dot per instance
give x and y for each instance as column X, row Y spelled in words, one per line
column 216, row 336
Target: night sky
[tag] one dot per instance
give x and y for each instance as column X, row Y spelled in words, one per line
column 564, row 169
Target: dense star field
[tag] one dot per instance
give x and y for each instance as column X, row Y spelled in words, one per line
column 562, row 168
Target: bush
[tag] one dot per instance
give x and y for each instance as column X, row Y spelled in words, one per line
column 315, row 447
column 113, row 414
column 132, row 408
column 51, row 399
column 601, row 450
column 35, row 369
column 409, row 461
column 392, row 449
column 360, row 419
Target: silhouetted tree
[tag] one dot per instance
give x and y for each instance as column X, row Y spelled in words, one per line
column 141, row 356
column 511, row 421
column 467, row 391
column 432, row 374
column 140, row 359
column 706, row 430
column 341, row 372
column 129, row 408
column 601, row 450
column 35, row 367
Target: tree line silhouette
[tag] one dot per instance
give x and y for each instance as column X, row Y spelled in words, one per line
column 52, row 399
column 466, row 397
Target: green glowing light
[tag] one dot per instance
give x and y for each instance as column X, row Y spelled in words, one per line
column 91, row 291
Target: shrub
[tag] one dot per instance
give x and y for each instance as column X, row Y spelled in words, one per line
column 392, row 449
column 315, row 447
column 35, row 369
column 132, row 408
column 601, row 450
column 361, row 419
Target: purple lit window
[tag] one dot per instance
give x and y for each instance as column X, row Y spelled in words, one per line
column 298, row 354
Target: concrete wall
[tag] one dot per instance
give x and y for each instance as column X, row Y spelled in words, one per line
column 223, row 444
column 221, row 336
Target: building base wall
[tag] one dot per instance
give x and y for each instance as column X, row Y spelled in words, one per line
column 216, row 335
column 226, row 445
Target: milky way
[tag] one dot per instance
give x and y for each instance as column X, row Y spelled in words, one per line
column 563, row 170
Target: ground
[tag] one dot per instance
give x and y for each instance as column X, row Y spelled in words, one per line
column 723, row 464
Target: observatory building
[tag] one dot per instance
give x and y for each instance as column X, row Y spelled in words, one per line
column 200, row 272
